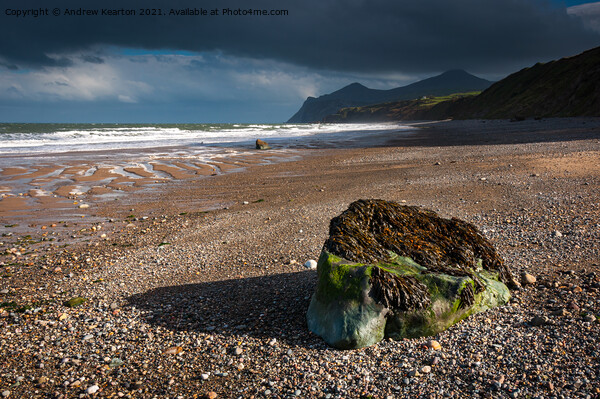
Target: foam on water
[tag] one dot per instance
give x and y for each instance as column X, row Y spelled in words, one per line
column 32, row 139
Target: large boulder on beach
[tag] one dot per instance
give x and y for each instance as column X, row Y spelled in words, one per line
column 394, row 271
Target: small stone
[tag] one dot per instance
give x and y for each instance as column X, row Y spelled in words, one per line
column 4, row 291
column 76, row 301
column 539, row 321
column 84, row 206
column 590, row 318
column 527, row 279
column 311, row 264
column 433, row 344
column 425, row 369
column 238, row 351
column 204, row 376
column 297, row 392
column 556, row 234
column 483, row 179
column 413, row 373
column 273, row 342
column 88, row 337
column 245, row 203
column 92, row 390
column 115, row 362
column 174, row 350
column 5, row 393
column 559, row 312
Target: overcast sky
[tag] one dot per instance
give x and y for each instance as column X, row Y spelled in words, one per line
column 236, row 68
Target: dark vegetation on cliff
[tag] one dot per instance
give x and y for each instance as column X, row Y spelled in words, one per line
column 567, row 87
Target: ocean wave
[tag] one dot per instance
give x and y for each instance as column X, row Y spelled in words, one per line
column 16, row 139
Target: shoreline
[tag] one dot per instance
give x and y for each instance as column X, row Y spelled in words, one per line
column 228, row 288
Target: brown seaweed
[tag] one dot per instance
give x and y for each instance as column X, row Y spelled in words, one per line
column 398, row 292
column 466, row 296
column 369, row 229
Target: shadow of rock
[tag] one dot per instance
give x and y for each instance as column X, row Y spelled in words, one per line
column 264, row 307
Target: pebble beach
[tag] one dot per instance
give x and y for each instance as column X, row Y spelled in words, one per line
column 197, row 287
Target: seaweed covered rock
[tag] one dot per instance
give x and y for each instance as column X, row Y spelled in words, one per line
column 262, row 145
column 389, row 270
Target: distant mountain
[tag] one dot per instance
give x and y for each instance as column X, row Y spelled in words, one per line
column 355, row 94
column 564, row 88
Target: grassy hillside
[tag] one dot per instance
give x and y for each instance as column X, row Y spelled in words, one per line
column 422, row 108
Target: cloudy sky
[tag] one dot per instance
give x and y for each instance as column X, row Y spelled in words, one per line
column 249, row 68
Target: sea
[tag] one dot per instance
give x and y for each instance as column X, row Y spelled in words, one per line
column 31, row 139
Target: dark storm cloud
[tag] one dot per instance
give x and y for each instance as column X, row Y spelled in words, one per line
column 92, row 59
column 11, row 67
column 349, row 35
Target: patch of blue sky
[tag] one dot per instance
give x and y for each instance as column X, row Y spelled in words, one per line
column 570, row 3
column 142, row 51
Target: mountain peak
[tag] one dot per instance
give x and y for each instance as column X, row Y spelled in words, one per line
column 456, row 72
column 355, row 85
column 352, row 90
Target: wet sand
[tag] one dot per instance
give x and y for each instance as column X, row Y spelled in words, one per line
column 37, row 187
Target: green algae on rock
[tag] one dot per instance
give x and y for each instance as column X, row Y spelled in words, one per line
column 389, row 270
